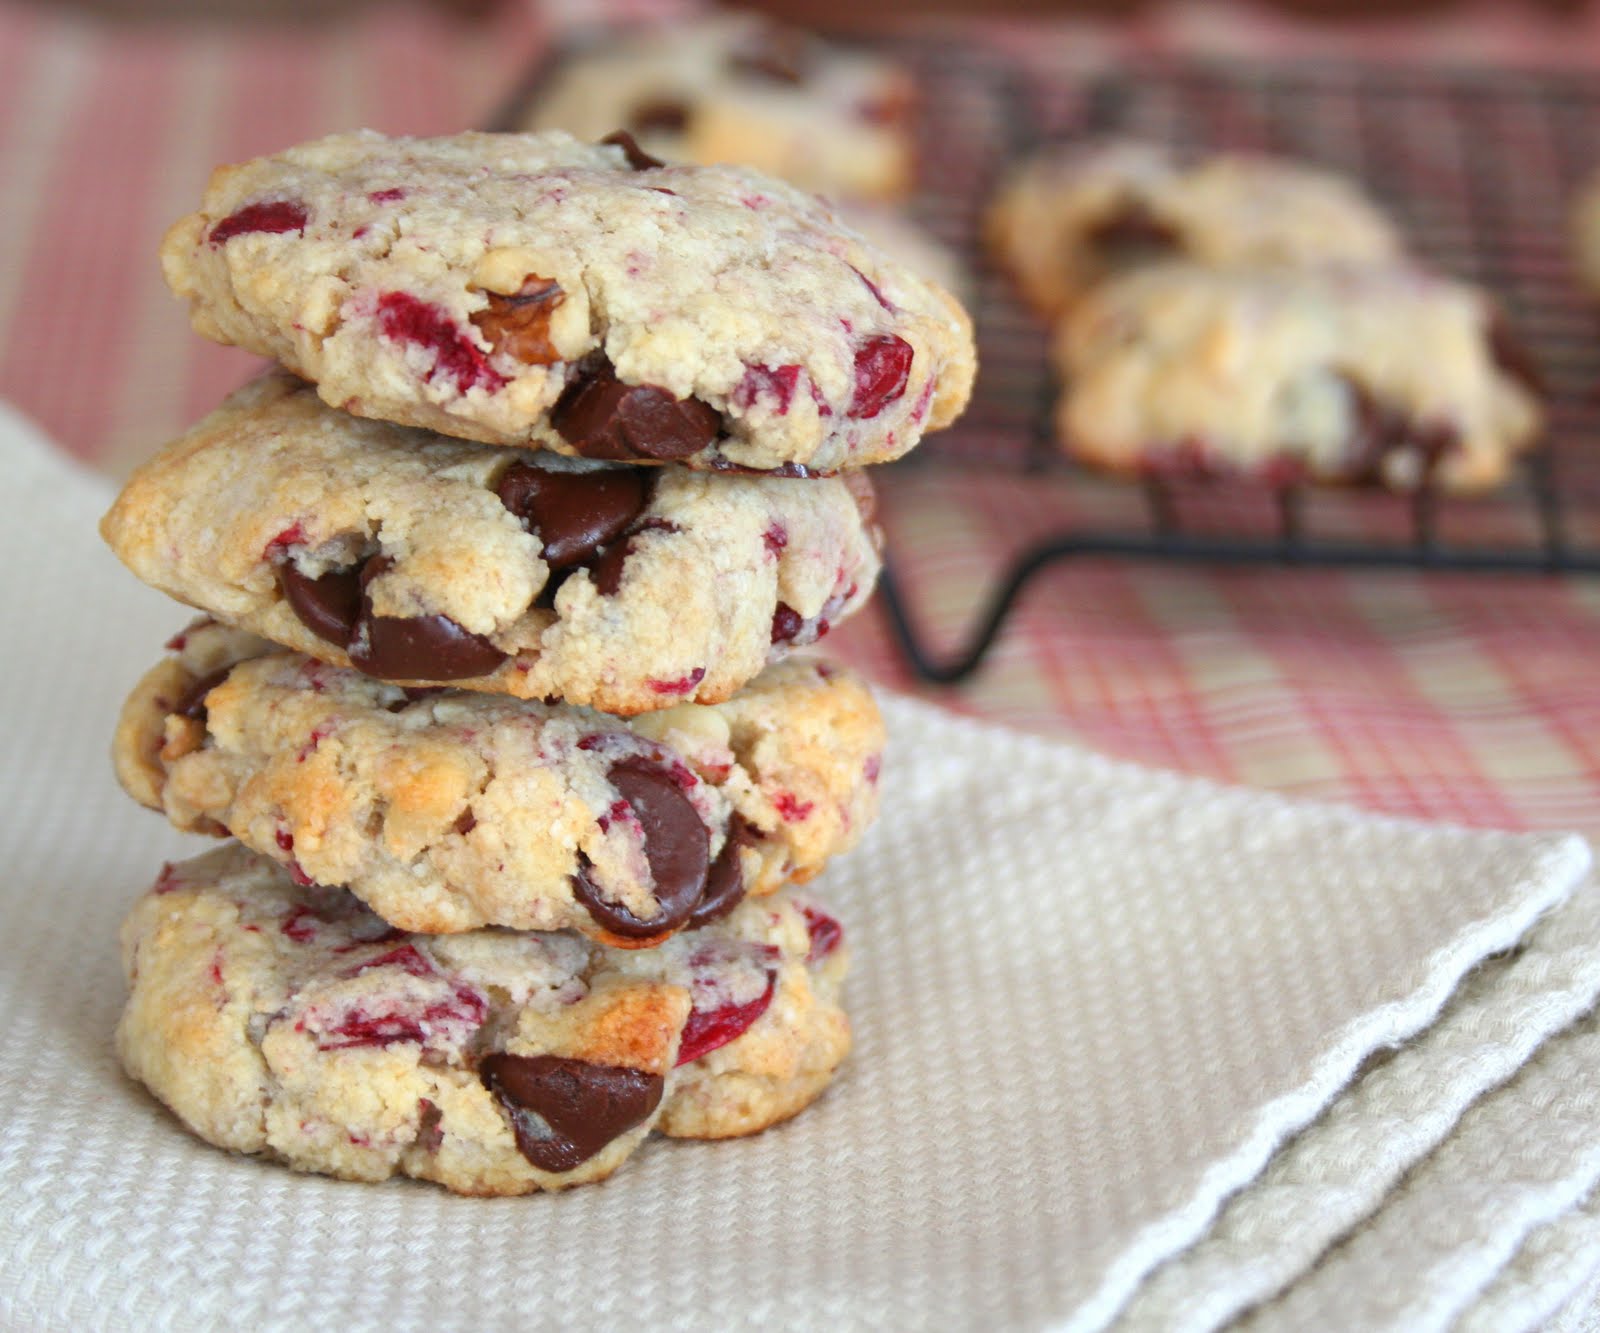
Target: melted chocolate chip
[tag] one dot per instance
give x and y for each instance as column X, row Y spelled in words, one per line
column 1378, row 430
column 573, row 513
column 778, row 54
column 638, row 159
column 193, row 703
column 662, row 116
column 601, row 417
column 607, row 570
column 724, row 888
column 676, row 845
column 327, row 606
column 1132, row 235
column 416, row 647
column 582, row 1106
column 1511, row 354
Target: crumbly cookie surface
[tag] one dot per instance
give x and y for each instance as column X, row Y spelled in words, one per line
column 529, row 289
column 733, row 88
column 622, row 588
column 1375, row 374
column 1072, row 216
column 447, row 810
column 289, row 1021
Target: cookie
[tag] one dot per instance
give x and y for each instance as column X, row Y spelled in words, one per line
column 446, row 810
column 896, row 234
column 426, row 560
column 534, row 290
column 734, row 88
column 1372, row 375
column 288, row 1021
column 1076, row 214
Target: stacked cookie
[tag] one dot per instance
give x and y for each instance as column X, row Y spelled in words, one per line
column 502, row 575
column 1251, row 316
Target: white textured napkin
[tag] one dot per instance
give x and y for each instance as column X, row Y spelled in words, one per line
column 1091, row 1002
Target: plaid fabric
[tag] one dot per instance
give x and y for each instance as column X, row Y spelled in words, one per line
column 1454, row 697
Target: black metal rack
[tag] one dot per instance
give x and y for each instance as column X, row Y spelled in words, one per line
column 1478, row 166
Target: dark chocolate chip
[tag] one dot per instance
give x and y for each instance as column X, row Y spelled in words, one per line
column 573, row 513
column 327, row 606
column 1511, row 354
column 1132, row 235
column 1379, row 430
column 601, row 417
column 638, row 159
column 724, row 888
column 662, row 116
column 786, row 623
column 775, row 53
column 416, row 647
column 582, row 1106
column 607, row 570
column 676, row 845
column 193, row 703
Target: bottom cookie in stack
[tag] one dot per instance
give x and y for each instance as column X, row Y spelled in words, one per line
column 291, row 1021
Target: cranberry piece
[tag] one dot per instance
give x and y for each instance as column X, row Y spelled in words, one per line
column 638, row 159
column 406, row 958
column 519, row 325
column 724, row 888
column 392, row 195
column 775, row 539
column 365, row 1028
column 660, row 116
column 193, row 703
column 883, row 368
column 773, row 382
column 786, row 623
column 167, row 879
column 416, row 647
column 825, row 932
column 707, row 1030
column 301, row 925
column 682, row 685
column 293, row 535
column 573, row 513
column 582, row 1106
column 791, row 807
column 676, row 845
column 275, row 216
column 601, row 417
column 405, row 319
column 877, row 291
column 328, row 605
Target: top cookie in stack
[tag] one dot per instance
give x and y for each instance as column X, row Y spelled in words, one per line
column 534, row 290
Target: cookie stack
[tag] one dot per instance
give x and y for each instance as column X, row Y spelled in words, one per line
column 502, row 574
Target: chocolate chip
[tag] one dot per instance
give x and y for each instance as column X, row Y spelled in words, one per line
column 1132, row 235
column 519, row 325
column 662, row 116
column 327, row 606
column 601, row 417
column 638, row 159
column 676, row 845
column 192, row 704
column 582, row 1106
column 1378, row 431
column 607, row 570
column 786, row 623
column 573, row 513
column 416, row 647
column 1511, row 354
column 778, row 54
column 724, row 888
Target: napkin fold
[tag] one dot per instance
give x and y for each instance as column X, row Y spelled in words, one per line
column 1091, row 1002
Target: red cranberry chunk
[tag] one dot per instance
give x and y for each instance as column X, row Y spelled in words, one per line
column 582, row 1106
column 676, row 846
column 826, row 933
column 275, row 216
column 883, row 368
column 574, row 514
column 405, row 319
column 602, row 417
column 776, row 383
column 786, row 623
column 706, row 1031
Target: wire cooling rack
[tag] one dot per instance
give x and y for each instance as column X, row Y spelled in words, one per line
column 1479, row 168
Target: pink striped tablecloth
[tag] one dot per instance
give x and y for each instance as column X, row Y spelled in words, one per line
column 1445, row 696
